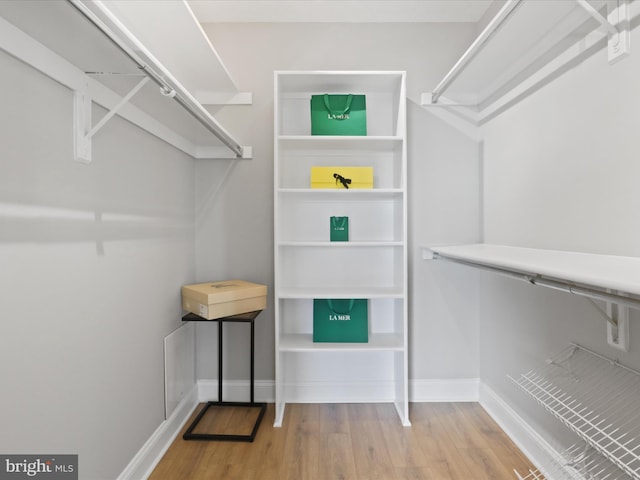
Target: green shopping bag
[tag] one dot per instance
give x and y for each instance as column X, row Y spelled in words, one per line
column 339, row 229
column 341, row 320
column 338, row 115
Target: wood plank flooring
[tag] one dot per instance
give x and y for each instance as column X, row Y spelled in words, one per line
column 447, row 441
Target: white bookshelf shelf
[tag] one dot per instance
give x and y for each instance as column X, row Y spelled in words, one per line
column 341, row 244
column 323, row 291
column 333, row 141
column 364, row 192
column 303, row 342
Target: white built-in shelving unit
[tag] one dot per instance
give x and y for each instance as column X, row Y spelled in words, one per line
column 371, row 265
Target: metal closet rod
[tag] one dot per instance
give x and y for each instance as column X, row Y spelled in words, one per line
column 490, row 29
column 561, row 285
column 474, row 49
column 166, row 86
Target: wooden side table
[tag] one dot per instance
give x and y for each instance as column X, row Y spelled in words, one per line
column 189, row 434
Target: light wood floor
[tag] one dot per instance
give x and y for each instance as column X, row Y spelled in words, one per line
column 447, row 441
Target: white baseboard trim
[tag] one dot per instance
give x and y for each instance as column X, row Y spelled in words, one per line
column 438, row 390
column 143, row 463
column 525, row 437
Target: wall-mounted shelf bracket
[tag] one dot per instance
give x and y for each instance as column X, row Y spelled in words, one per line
column 616, row 24
column 618, row 335
column 83, row 131
column 617, row 317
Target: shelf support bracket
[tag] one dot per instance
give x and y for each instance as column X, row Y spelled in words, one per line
column 618, row 336
column 616, row 25
column 616, row 313
column 82, row 129
column 606, row 314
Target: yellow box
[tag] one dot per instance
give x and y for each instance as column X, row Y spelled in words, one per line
column 213, row 300
column 342, row 177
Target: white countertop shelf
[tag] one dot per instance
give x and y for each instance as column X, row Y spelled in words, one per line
column 339, row 292
column 349, row 244
column 336, row 141
column 606, row 272
column 303, row 342
column 365, row 192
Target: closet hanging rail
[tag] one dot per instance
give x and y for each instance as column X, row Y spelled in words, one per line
column 169, row 86
column 562, row 285
column 474, row 49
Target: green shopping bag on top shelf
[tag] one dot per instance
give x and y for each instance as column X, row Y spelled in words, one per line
column 338, row 115
column 343, row 320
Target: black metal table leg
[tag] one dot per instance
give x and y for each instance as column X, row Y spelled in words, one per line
column 189, row 435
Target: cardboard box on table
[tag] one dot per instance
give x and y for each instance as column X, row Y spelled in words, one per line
column 213, row 300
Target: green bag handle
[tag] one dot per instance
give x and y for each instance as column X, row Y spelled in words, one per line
column 334, row 222
column 346, row 109
column 332, row 308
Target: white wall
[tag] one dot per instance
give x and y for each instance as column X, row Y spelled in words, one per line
column 235, row 233
column 92, row 258
column 560, row 171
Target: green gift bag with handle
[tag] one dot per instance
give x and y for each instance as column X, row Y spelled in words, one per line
column 339, row 229
column 338, row 115
column 343, row 320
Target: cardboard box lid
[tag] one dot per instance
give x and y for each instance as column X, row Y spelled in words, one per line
column 209, row 293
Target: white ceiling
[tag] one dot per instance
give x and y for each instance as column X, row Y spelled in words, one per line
column 222, row 11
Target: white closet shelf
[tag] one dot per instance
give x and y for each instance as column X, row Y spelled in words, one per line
column 323, row 192
column 591, row 395
column 303, row 342
column 87, row 48
column 349, row 244
column 311, row 292
column 295, row 83
column 603, row 272
column 348, row 141
column 527, row 44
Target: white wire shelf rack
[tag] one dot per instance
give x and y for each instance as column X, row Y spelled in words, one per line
column 578, row 462
column 597, row 398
